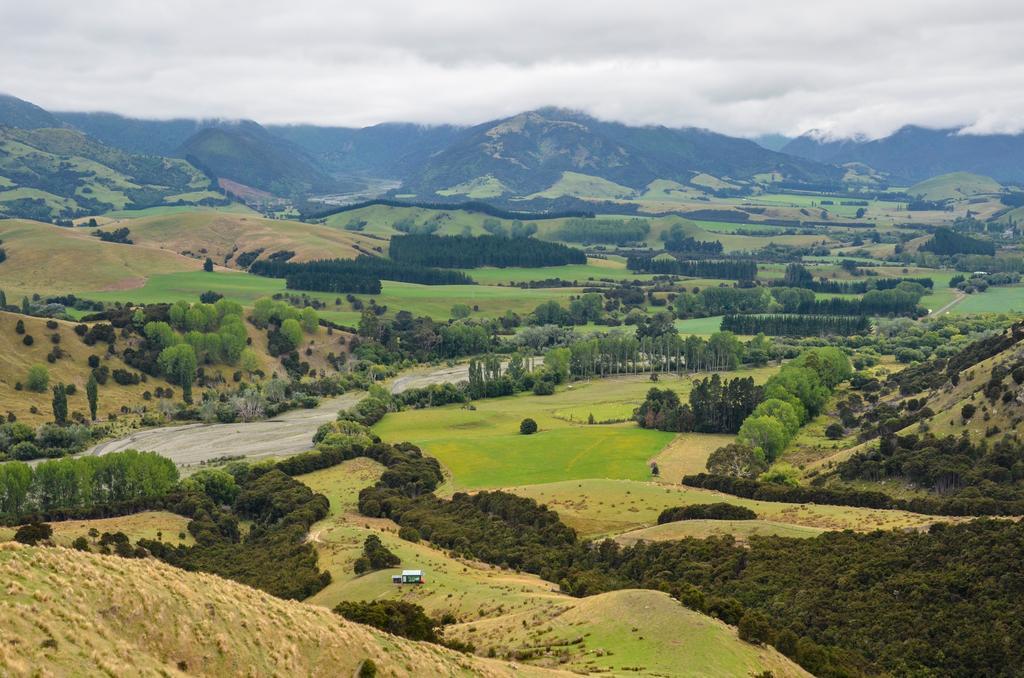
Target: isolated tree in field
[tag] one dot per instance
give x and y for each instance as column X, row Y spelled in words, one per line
column 527, row 427
column 208, row 265
column 737, row 459
column 178, row 363
column 460, row 311
column 92, row 395
column 60, row 404
column 38, row 378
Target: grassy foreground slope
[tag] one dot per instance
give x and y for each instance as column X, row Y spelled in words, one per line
column 629, row 632
column 50, row 259
column 72, row 613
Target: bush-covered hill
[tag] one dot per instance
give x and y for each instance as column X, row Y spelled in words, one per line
column 246, row 153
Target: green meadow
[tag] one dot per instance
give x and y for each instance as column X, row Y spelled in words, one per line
column 1003, row 299
column 482, row 447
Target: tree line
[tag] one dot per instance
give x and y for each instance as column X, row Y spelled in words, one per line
column 715, row 406
column 945, row 242
column 611, row 231
column 83, row 482
column 782, row 325
column 459, row 251
column 728, row 269
column 797, row 275
column 621, row 354
column 361, row 275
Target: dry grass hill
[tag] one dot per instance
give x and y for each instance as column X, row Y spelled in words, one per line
column 72, row 613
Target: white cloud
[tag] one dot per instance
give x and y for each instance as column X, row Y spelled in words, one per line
column 735, row 66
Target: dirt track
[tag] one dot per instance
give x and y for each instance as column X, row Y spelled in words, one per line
column 290, row 433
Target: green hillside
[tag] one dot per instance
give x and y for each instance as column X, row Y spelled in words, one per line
column 60, row 173
column 247, row 154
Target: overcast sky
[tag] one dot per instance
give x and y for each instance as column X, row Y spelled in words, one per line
column 745, row 68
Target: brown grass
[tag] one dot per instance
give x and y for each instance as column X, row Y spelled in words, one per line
column 71, row 613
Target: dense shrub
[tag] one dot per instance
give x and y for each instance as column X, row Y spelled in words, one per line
column 717, row 511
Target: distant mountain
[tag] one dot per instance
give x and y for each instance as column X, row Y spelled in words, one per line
column 153, row 137
column 527, row 153
column 913, row 154
column 773, row 142
column 15, row 112
column 246, row 153
column 390, row 150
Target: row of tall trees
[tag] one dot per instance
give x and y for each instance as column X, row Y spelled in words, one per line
column 460, row 251
column 623, row 354
column 84, row 481
column 798, row 275
column 611, row 231
column 361, row 275
column 783, row 325
column 903, row 299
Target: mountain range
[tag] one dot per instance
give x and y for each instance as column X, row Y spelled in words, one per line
column 912, row 154
column 515, row 157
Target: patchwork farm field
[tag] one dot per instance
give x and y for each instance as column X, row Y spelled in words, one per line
column 433, row 300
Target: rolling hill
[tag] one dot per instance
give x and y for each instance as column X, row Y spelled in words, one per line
column 68, row 612
column 529, row 152
column 955, row 186
column 913, row 154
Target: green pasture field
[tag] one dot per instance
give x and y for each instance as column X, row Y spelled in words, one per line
column 732, row 227
column 585, row 186
column 699, row 326
column 482, row 447
column 1002, row 299
column 613, row 268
